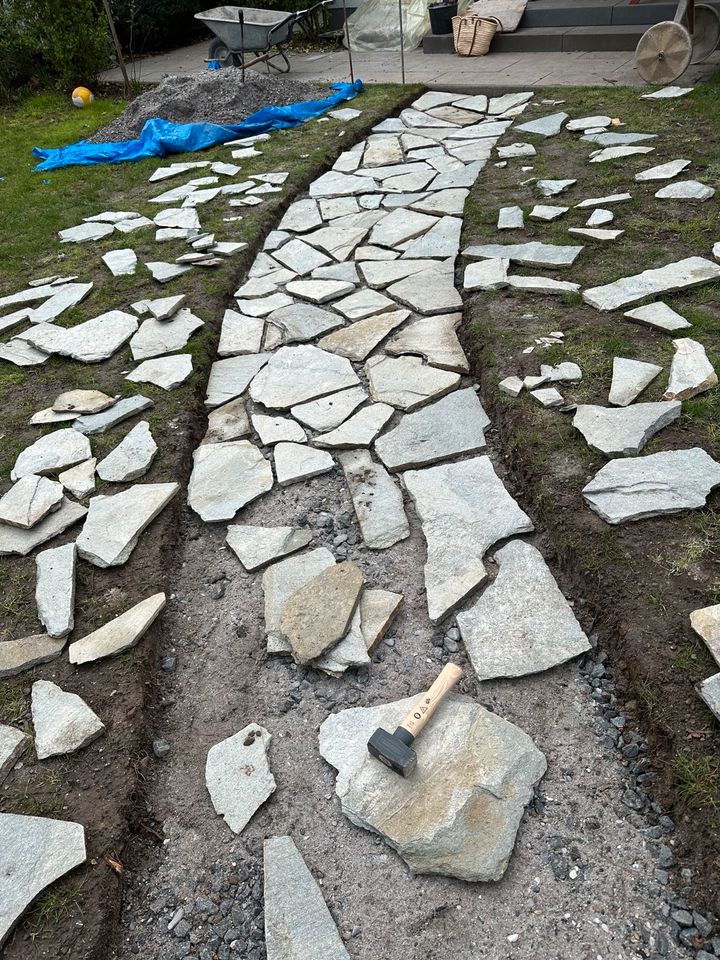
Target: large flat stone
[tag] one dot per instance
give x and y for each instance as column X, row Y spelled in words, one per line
column 13, row 744
column 511, row 218
column 256, row 547
column 240, row 334
column 464, row 509
column 706, row 623
column 229, row 422
column 531, row 254
column 14, row 540
column 664, row 171
column 437, row 295
column 90, row 342
column 334, row 184
column 472, row 767
column 440, row 241
column 225, row 477
column 34, row 852
column 659, row 316
column 238, row 775
column 122, row 410
column 119, row 634
column 486, row 275
column 303, row 321
column 29, row 500
column 131, row 458
column 433, row 338
column 451, row 426
column 79, row 402
column 686, row 190
column 165, row 372
column 63, row 722
column 617, row 153
column 114, row 523
column 522, row 623
column 320, row 291
column 359, row 430
column 294, row 375
column 279, row 583
column 661, row 483
column 400, row 225
column 377, row 500
column 691, row 372
column 358, row 339
column 547, row 126
column 629, row 379
column 329, row 412
column 55, row 589
column 229, row 378
column 273, row 430
column 370, row 621
column 379, row 274
column 297, row 461
column 682, row 275
column 298, row 924
column 406, row 382
column 17, row 656
column 363, row 303
column 53, row 452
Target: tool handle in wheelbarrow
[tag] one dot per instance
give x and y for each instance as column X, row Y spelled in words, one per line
column 309, row 11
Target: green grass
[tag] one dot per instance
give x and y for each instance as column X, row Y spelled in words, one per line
column 52, row 906
column 698, row 775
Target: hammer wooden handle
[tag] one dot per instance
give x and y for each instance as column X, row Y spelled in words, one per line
column 426, row 706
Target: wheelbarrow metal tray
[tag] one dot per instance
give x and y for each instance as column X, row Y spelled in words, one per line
column 254, row 32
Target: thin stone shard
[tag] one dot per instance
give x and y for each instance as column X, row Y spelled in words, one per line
column 119, row 634
column 238, row 775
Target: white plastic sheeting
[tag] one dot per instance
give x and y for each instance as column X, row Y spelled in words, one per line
column 376, row 24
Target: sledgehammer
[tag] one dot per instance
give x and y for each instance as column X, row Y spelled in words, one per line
column 395, row 749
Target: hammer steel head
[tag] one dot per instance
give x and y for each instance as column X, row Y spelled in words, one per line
column 389, row 749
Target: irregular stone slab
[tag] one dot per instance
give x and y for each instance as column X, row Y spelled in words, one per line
column 29, row 500
column 600, row 217
column 52, row 452
column 296, row 461
column 542, row 285
column 660, row 316
column 15, row 540
column 436, row 98
column 334, row 184
column 486, row 275
column 280, row 581
column 603, row 201
column 301, row 216
column 229, row 422
column 320, row 291
column 294, row 375
column 79, row 480
column 706, row 623
column 617, row 153
column 16, row 656
column 691, row 372
column 131, row 458
column 443, row 202
column 686, row 190
column 665, row 171
column 359, row 339
column 441, row 430
column 617, row 139
column 381, row 273
column 273, row 430
column 522, row 623
column 256, row 547
column 69, row 295
column 226, row 477
column 84, row 232
column 157, row 337
column 50, row 416
column 440, row 241
column 666, row 93
column 709, row 691
column 162, row 308
column 506, row 102
column 531, row 254
column 512, row 386
column 630, row 377
column 588, row 123
column 566, row 372
column 471, row 766
column 551, row 188
column 511, row 218
column 238, row 775
column 63, row 722
column 400, row 225
column 119, row 634
column 182, row 218
column 437, row 296
column 55, row 589
column 595, row 234
column 516, row 150
column 298, row 924
column 83, row 402
column 122, row 410
column 329, row 412
column 433, row 338
column 22, row 354
column 13, row 744
column 229, row 378
column 302, row 321
column 166, row 372
column 377, row 501
column 661, row 483
column 34, row 852
column 548, row 397
column 318, row 614
column 682, row 275
column 464, row 509
column 90, row 342
column 359, row 430
column 547, row 213
column 362, row 304
column 121, row 263
column 615, row 431
column 370, row 621
column 262, row 306
column 114, row 523
column 406, row 382
column 547, row 126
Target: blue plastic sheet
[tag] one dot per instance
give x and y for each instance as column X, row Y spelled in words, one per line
column 161, row 137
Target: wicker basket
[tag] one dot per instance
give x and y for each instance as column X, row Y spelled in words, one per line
column 473, row 35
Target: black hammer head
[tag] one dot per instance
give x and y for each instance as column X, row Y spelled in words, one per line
column 394, row 750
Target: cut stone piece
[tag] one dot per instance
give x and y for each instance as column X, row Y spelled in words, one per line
column 381, row 273
column 464, row 509
column 280, row 581
column 13, row 744
column 660, row 316
column 486, row 274
column 300, row 257
column 433, row 338
column 225, row 477
column 662, row 483
column 600, row 217
column 449, row 202
column 298, row 924
column 256, row 547
column 337, row 271
column 587, row 123
column 406, row 382
column 666, row 92
column 436, row 98
column 603, row 201
column 131, row 458
column 440, row 241
column 617, row 153
column 400, row 225
column 630, row 377
column 441, row 430
column 665, row 171
column 531, row 254
column 229, row 422
column 511, row 218
column 301, row 216
column 547, row 213
column 359, row 430
column 691, row 372
column 121, row 263
column 79, row 480
column 370, row 621
column 375, row 253
column 63, row 722
column 90, row 342
column 55, row 589
column 119, row 634
column 595, row 234
column 262, row 306
column 114, row 523
column 522, row 623
column 29, row 500
column 294, row 375
column 542, row 285
column 606, row 139
column 165, row 372
column 296, row 461
column 616, row 431
column 359, row 339
column 164, row 308
column 229, row 378
column 564, row 372
column 709, row 691
column 302, row 321
column 547, row 126
column 238, row 775
column 335, row 184
column 273, row 430
column 437, row 295
column 706, row 623
column 52, row 452
column 84, row 232
column 471, row 766
column 17, row 656
column 83, row 402
column 22, row 354
column 551, row 188
column 158, row 337
column 319, row 291
column 34, row 853
column 163, row 272
column 122, row 410
column 512, row 386
column 363, row 303
column 181, row 218
column 49, row 416
column 377, row 501
column 15, row 540
column 681, row 275
column 516, row 150
column 62, row 299
column 329, row 412
column 686, row 190
column 240, row 334
column 548, row 397
column 318, row 614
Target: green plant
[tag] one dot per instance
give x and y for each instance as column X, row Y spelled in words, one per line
column 699, row 779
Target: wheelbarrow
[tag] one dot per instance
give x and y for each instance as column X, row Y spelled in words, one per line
column 245, row 36
column 666, row 50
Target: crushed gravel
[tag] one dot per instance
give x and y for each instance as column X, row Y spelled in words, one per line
column 218, row 96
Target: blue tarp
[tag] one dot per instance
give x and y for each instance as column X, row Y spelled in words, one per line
column 160, row 137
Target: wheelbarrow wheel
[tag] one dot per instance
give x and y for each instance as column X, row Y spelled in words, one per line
column 220, row 51
column 706, row 33
column 664, row 52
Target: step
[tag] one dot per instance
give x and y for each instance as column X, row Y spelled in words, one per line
column 552, row 39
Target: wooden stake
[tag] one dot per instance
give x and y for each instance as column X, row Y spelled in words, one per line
column 118, row 48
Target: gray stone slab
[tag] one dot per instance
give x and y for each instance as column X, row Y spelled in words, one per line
column 64, row 297
column 512, row 386
column 359, row 430
column 450, row 202
column 709, row 691
column 229, row 378
column 52, row 452
column 681, row 275
column 256, row 547
column 262, row 306
column 29, row 500
column 131, row 458
column 229, row 422
column 55, row 589
column 617, row 153
column 14, row 540
column 79, row 480
column 629, row 379
column 600, row 217
column 548, row 397
column 618, row 431
column 22, row 354
column 547, row 126
column 660, row 316
column 471, row 766
column 603, row 201
column 300, row 322
column 297, row 461
column 156, row 337
column 486, row 275
column 516, row 150
column 551, row 188
column 664, row 171
column 617, row 139
column 122, row 410
column 406, row 382
column 662, row 483
column 85, row 232
column 441, row 241
column 358, row 339
column 511, row 218
column 34, row 853
column 363, row 303
column 532, row 253
column 13, row 744
column 596, row 234
column 320, row 291
column 400, row 225
column 240, row 334
column 294, row 375
column 369, row 623
column 90, row 342
column 567, row 372
column 335, row 184
column 522, row 623
column 238, row 775
column 16, row 656
column 433, row 338
column 329, row 412
column 691, row 372
column 377, row 500
column 226, row 477
column 165, row 372
column 464, row 509
column 119, row 634
column 273, row 430
column 63, row 722
column 438, row 295
column 706, row 623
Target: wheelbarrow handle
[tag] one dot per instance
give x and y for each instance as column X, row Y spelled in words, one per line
column 301, row 14
column 290, row 18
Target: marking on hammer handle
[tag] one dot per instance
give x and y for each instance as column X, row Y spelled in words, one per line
column 426, row 706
